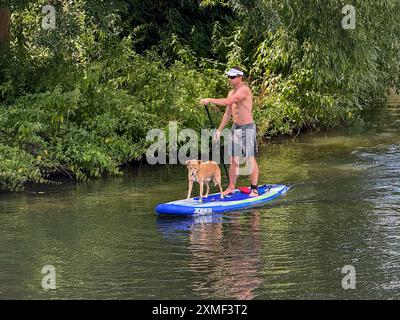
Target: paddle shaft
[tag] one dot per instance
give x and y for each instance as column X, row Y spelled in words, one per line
column 221, row 148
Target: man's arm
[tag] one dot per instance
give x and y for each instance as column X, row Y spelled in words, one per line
column 240, row 95
column 225, row 118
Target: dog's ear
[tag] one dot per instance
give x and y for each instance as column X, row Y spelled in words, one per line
column 187, row 162
column 199, row 161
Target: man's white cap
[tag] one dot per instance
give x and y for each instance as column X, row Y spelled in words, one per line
column 234, row 72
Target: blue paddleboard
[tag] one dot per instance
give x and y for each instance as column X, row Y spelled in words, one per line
column 214, row 204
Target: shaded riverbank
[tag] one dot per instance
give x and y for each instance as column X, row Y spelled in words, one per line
column 81, row 87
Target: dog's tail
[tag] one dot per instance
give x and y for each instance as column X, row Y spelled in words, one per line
column 216, row 178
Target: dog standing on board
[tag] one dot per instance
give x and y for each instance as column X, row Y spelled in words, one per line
column 203, row 173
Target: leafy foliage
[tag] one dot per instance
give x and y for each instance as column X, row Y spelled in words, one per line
column 80, row 99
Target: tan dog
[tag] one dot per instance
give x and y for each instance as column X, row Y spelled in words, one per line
column 203, row 172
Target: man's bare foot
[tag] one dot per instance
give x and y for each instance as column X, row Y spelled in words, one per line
column 228, row 191
column 254, row 193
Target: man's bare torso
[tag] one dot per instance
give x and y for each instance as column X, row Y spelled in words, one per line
column 242, row 111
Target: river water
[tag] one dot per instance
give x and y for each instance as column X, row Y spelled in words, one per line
column 105, row 241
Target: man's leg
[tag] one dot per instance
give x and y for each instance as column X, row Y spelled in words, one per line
column 254, row 174
column 233, row 172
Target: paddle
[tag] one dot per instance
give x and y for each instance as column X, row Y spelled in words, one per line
column 221, row 147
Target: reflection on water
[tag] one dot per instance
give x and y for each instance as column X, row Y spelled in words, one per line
column 105, row 240
column 230, row 266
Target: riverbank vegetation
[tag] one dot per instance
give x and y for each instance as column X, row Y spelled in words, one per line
column 78, row 99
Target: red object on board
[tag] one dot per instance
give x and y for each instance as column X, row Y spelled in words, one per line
column 244, row 190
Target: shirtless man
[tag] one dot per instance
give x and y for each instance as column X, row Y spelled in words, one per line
column 239, row 103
